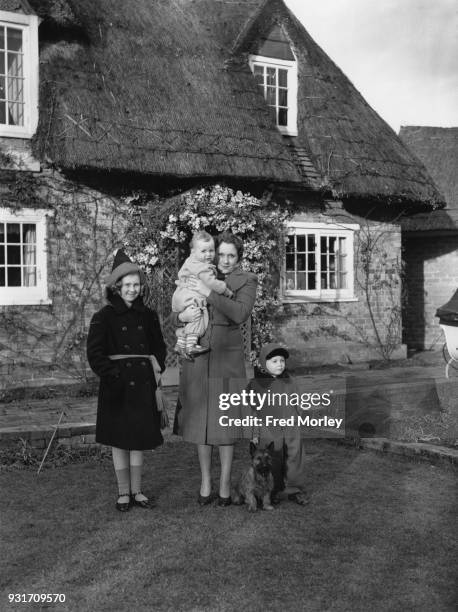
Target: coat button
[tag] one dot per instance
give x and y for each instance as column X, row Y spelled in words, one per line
column 128, row 364
column 132, row 383
column 142, row 346
column 124, row 328
column 126, row 346
column 143, row 363
column 140, row 327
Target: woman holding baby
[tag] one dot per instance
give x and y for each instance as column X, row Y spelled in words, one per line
column 220, row 370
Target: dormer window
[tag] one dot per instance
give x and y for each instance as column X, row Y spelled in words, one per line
column 18, row 74
column 274, row 67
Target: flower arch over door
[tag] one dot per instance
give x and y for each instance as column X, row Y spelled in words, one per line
column 160, row 231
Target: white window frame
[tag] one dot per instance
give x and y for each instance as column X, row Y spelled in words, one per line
column 291, row 67
column 21, row 296
column 346, row 231
column 29, row 26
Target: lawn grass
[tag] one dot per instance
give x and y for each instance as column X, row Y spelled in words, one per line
column 379, row 534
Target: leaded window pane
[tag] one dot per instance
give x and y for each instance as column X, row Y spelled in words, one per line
column 29, row 254
column 300, row 261
column 290, row 281
column 14, row 65
column 13, row 254
column 30, row 276
column 29, row 234
column 14, row 277
column 290, row 243
column 13, row 233
column 14, row 39
column 290, row 261
column 302, row 281
column 271, row 76
column 271, row 96
column 283, row 116
column 283, row 78
column 12, row 81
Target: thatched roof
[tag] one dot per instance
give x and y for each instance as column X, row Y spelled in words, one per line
column 15, row 5
column 163, row 87
column 437, row 149
column 146, row 90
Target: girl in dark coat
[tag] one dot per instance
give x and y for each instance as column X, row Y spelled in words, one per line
column 222, row 369
column 126, row 350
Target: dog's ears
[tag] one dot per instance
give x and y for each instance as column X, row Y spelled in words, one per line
column 270, row 447
column 253, row 448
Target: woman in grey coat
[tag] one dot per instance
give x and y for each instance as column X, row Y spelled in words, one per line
column 221, row 370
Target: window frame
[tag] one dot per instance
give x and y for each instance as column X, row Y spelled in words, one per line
column 29, row 26
column 291, row 68
column 346, row 231
column 23, row 296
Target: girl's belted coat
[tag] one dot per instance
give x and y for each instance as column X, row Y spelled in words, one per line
column 221, row 370
column 127, row 415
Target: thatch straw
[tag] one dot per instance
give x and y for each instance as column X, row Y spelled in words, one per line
column 163, row 87
column 437, row 149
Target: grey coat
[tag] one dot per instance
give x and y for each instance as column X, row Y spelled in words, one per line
column 222, row 370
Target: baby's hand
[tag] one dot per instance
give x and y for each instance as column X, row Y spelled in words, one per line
column 255, row 440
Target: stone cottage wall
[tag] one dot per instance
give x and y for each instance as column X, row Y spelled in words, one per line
column 431, row 275
column 45, row 344
column 331, row 332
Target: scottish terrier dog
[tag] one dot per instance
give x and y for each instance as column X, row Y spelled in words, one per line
column 256, row 483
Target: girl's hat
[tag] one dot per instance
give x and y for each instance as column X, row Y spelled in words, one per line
column 271, row 350
column 122, row 265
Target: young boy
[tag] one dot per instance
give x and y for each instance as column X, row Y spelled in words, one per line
column 200, row 264
column 288, row 461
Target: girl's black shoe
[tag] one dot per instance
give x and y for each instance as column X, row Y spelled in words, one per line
column 123, row 506
column 204, row 500
column 142, row 503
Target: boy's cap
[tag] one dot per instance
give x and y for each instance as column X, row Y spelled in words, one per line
column 271, row 350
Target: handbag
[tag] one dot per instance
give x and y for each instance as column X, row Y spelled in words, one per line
column 161, row 402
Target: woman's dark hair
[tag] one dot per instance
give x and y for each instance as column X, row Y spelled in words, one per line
column 230, row 238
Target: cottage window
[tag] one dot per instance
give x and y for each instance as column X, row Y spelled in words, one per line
column 23, row 260
column 318, row 262
column 277, row 80
column 18, row 74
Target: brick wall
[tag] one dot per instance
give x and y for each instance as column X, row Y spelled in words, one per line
column 45, row 344
column 320, row 333
column 431, row 274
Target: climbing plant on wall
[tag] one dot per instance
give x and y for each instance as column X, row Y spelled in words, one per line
column 155, row 228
